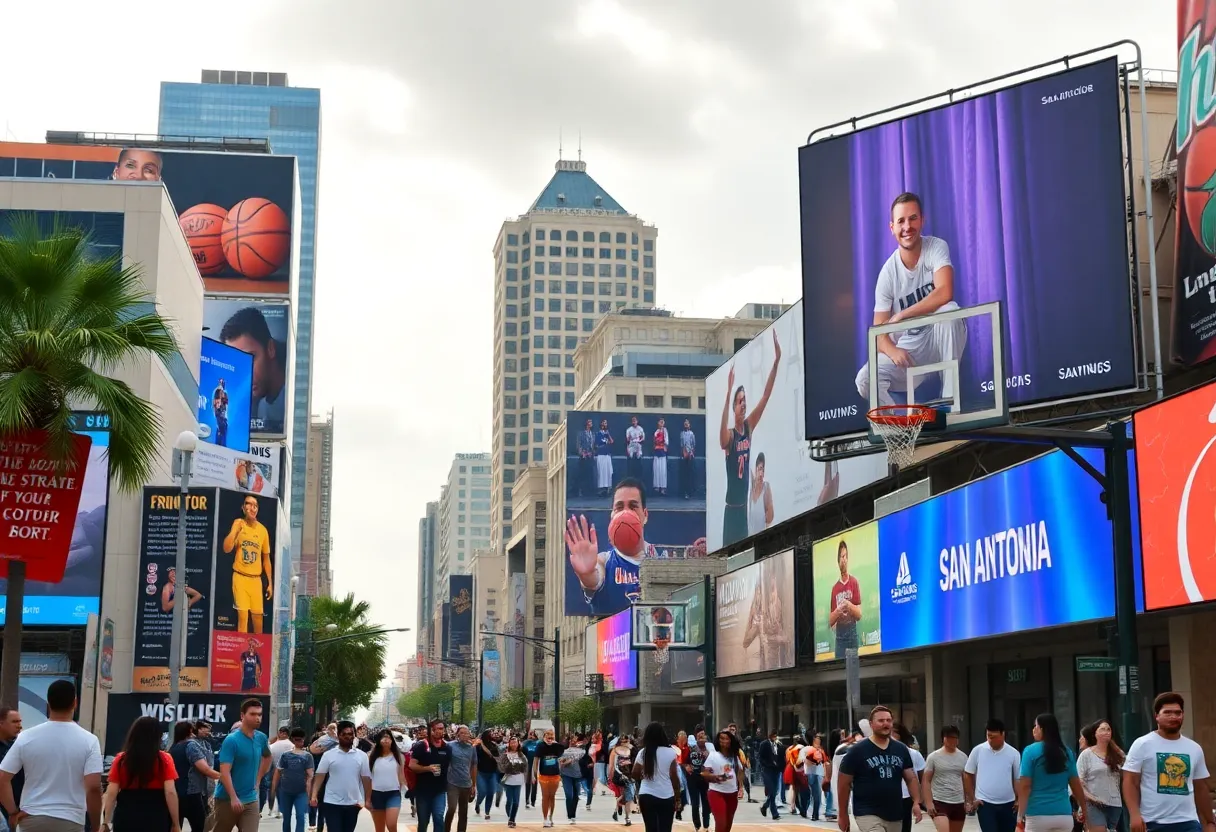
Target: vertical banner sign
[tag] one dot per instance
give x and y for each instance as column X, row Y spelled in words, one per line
column 491, row 675
column 160, row 589
column 245, row 560
column 1195, row 146
column 105, row 660
column 460, row 589
column 515, row 646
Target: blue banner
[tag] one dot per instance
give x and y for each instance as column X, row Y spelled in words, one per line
column 491, row 675
column 1026, row 548
column 460, row 623
column 225, row 395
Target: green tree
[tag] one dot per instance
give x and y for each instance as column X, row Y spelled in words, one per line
column 580, row 714
column 346, row 672
column 428, row 700
column 511, row 708
column 69, row 319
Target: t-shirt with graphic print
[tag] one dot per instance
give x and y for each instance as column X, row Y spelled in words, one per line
column 899, row 287
column 1167, row 769
column 878, row 776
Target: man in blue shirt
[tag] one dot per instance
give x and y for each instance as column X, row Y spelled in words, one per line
column 244, row 760
column 529, row 747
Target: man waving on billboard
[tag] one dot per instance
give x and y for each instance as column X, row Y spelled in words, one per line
column 917, row 280
column 609, row 580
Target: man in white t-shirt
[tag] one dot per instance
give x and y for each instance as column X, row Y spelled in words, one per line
column 347, row 775
column 990, row 778
column 62, row 765
column 1165, row 778
column 917, row 280
column 277, row 749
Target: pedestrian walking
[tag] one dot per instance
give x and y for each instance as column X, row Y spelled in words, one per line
column 1100, row 767
column 244, row 759
column 1048, row 774
column 900, row 732
column 570, row 766
column 620, row 761
column 723, row 772
column 547, row 772
column 195, row 776
column 990, row 779
column 348, row 774
column 871, row 773
column 513, row 764
column 693, row 760
column 530, row 783
column 62, row 766
column 655, row 769
column 487, row 771
column 813, row 760
column 10, row 727
column 292, row 781
column 267, row 795
column 462, row 779
column 943, row 784
column 1165, row 777
column 772, row 764
column 430, row 760
column 388, row 778
column 141, row 795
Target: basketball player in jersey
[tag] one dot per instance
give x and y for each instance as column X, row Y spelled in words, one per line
column 251, row 543
column 737, row 443
column 168, row 592
column 917, row 280
column 609, row 580
column 251, row 667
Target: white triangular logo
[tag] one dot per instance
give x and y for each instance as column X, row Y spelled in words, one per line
column 905, row 574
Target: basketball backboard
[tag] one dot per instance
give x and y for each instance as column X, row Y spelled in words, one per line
column 952, row 360
column 661, row 621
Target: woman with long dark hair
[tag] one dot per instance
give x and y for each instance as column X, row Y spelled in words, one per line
column 1100, row 768
column 142, row 793
column 513, row 765
column 388, row 777
column 487, row 771
column 1049, row 772
column 656, row 770
column 723, row 771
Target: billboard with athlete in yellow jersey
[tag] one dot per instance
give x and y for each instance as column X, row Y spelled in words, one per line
column 246, row 546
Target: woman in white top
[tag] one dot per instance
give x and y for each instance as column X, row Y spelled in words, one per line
column 656, row 770
column 759, row 499
column 1100, row 769
column 723, row 770
column 388, row 777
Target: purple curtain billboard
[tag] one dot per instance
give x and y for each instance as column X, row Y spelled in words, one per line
column 608, row 652
column 1011, row 211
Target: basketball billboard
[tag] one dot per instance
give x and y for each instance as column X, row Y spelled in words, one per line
column 987, row 199
column 262, row 328
column 225, row 395
column 756, row 617
column 607, row 652
column 768, row 475
column 1176, row 469
column 460, row 618
column 237, row 210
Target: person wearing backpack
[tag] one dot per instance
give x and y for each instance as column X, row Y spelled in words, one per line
column 195, row 775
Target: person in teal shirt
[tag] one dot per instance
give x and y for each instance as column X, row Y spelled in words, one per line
column 243, row 760
column 1048, row 774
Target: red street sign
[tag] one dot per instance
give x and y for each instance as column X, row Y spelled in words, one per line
column 39, row 499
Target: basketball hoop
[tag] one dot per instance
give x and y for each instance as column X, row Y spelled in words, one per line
column 660, row 650
column 900, row 425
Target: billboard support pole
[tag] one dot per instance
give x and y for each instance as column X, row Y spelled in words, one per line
column 557, row 677
column 710, row 651
column 182, row 456
column 481, row 694
column 1158, row 370
column 1118, row 499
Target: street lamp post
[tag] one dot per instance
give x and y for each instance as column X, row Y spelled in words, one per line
column 183, row 457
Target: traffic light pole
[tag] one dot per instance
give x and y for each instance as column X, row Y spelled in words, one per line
column 710, row 651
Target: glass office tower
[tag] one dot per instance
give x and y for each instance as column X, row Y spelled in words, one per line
column 230, row 104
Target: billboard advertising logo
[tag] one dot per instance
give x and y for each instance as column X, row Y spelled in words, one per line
column 769, row 475
column 847, row 608
column 225, row 398
column 262, row 329
column 608, row 652
column 756, row 617
column 1176, row 467
column 984, row 200
column 904, row 589
column 460, row 623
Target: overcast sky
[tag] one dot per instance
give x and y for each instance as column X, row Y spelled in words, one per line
column 441, row 118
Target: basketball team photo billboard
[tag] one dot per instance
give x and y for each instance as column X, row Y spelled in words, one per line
column 237, row 210
column 756, row 617
column 262, row 328
column 1015, row 196
column 768, row 475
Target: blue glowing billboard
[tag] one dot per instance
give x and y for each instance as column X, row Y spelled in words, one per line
column 225, row 395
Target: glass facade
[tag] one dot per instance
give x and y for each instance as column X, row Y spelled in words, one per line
column 290, row 118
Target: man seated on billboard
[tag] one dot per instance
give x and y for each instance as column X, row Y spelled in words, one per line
column 609, row 580
column 917, row 280
column 247, row 330
column 252, row 560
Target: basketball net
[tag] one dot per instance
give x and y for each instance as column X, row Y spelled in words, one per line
column 660, row 650
column 900, row 426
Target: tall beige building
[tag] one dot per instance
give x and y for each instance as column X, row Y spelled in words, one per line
column 464, row 519
column 574, row 256
column 316, row 574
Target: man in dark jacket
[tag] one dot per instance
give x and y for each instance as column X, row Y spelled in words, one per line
column 772, row 766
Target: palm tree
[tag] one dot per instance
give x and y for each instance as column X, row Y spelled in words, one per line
column 68, row 319
column 347, row 673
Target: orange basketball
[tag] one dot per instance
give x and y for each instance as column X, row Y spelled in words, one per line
column 625, row 532
column 256, row 237
column 1197, row 172
column 202, row 226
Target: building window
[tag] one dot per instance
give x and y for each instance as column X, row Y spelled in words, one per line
column 512, row 256
column 538, row 379
column 620, row 288
column 588, row 270
column 527, row 237
column 540, row 234
column 588, row 307
column 526, row 291
column 554, row 417
column 571, row 324
column 555, row 379
column 648, row 296
column 605, row 237
column 512, row 293
column 523, row 364
column 538, row 435
column 588, row 324
column 508, row 402
column 633, row 292
column 508, row 420
column 509, row 439
column 555, row 398
column 555, row 342
column 620, row 237
column 588, row 236
column 681, row 402
column 572, row 236
column 508, row 458
column 648, row 278
column 512, row 310
column 523, row 383
column 571, row 342
column 555, row 287
column 633, row 272
column 523, row 437
column 555, row 359
column 569, row 379
column 647, row 245
column 605, row 307
column 555, row 305
column 653, row 402
column 570, row 359
column 537, row 416
column 572, row 251
column 572, row 270
column 523, row 345
column 538, row 304
column 568, row 398
column 527, row 255
column 633, row 254
column 510, row 328
column 538, row 323
column 538, row 397
column 509, row 347
column 605, row 253
column 555, row 251
column 523, row 460
column 555, row 323
column 512, row 239
column 626, row 400
column 508, row 383
column 621, row 270
column 525, row 272
column 588, row 252
column 512, row 275
column 588, row 287
column 620, row 254
column 648, row 261
column 605, row 288
column 571, row 287
column 701, row 402
column 571, row 306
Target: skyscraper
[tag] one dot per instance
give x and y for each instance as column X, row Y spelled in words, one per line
column 314, row 564
column 231, row 104
column 574, row 256
column 464, row 518
column 428, row 543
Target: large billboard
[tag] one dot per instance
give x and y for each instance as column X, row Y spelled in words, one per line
column 1003, row 554
column 70, row 601
column 491, row 675
column 766, row 475
column 160, row 589
column 607, row 652
column 214, row 465
column 1002, row 207
column 460, row 620
column 1194, row 330
column 846, row 597
column 263, row 329
column 225, row 395
column 246, row 557
column 689, row 665
column 236, row 209
column 1176, row 468
column 756, row 617
column 514, row 677
column 222, row 710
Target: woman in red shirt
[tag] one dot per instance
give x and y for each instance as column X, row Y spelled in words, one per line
column 142, row 794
